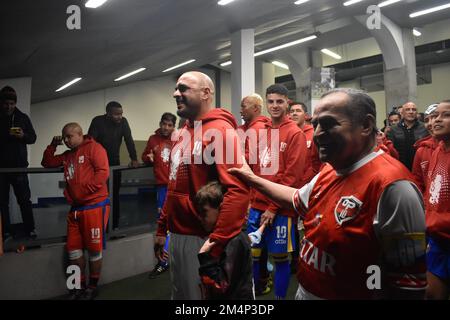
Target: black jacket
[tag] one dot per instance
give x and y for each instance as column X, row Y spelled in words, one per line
column 109, row 134
column 404, row 140
column 230, row 277
column 13, row 151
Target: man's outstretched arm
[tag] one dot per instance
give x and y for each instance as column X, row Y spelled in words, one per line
column 276, row 192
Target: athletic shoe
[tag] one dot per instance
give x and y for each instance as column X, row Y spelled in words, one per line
column 159, row 269
column 89, row 294
column 32, row 235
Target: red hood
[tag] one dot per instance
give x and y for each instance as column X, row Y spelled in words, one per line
column 307, row 128
column 261, row 119
column 427, row 142
column 286, row 121
column 217, row 114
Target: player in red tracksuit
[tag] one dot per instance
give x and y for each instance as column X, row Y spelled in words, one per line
column 252, row 135
column 363, row 215
column 157, row 152
column 207, row 147
column 287, row 162
column 86, row 170
column 424, row 149
column 437, row 200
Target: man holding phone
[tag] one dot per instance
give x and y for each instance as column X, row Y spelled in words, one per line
column 16, row 131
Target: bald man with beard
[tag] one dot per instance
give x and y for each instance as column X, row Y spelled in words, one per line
column 86, row 170
column 190, row 169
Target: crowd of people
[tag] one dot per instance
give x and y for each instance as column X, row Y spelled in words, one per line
column 326, row 195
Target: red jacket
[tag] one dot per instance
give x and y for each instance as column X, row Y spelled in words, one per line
column 424, row 150
column 437, row 195
column 189, row 171
column 314, row 165
column 86, row 170
column 292, row 163
column 161, row 147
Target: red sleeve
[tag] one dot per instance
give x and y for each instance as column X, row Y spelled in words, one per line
column 419, row 179
column 162, row 228
column 148, row 149
column 236, row 199
column 99, row 161
column 50, row 160
column 393, row 152
column 294, row 169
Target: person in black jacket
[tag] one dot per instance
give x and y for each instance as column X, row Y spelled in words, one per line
column 405, row 134
column 16, row 131
column 228, row 277
column 109, row 130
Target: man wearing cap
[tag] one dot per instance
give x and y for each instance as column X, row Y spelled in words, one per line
column 16, row 131
column 424, row 150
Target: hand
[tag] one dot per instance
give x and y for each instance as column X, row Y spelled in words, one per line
column 151, row 156
column 160, row 241
column 17, row 132
column 244, row 173
column 133, row 164
column 207, row 246
column 56, row 141
column 263, row 226
column 267, row 218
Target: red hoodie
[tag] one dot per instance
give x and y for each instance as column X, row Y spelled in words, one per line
column 292, row 163
column 424, row 149
column 161, row 147
column 86, row 170
column 179, row 214
column 437, row 195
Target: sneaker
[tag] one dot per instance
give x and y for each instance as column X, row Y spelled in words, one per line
column 75, row 294
column 89, row 294
column 32, row 235
column 159, row 269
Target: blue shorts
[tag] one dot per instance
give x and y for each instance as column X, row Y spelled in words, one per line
column 279, row 238
column 438, row 259
column 161, row 192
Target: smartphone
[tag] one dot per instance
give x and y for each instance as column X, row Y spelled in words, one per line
column 59, row 139
column 14, row 130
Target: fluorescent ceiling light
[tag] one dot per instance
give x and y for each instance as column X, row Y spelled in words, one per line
column 130, row 74
column 286, row 45
column 416, row 32
column 387, row 3
column 179, row 65
column 300, row 1
column 349, row 3
column 280, row 64
column 431, row 10
column 331, row 54
column 69, row 84
column 94, row 3
column 224, row 2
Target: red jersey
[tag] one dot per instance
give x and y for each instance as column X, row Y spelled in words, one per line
column 339, row 210
column 437, row 196
column 86, row 170
column 198, row 158
column 161, row 147
column 292, row 163
column 314, row 164
column 424, row 150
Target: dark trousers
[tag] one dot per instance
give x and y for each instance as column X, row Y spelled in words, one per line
column 117, row 178
column 19, row 182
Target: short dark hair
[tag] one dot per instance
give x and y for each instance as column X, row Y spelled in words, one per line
column 8, row 93
column 393, row 113
column 167, row 116
column 301, row 104
column 112, row 104
column 359, row 105
column 278, row 89
column 210, row 194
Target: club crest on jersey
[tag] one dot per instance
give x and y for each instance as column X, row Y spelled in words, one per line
column 81, row 159
column 347, row 209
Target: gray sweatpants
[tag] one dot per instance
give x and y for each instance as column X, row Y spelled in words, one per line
column 183, row 250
